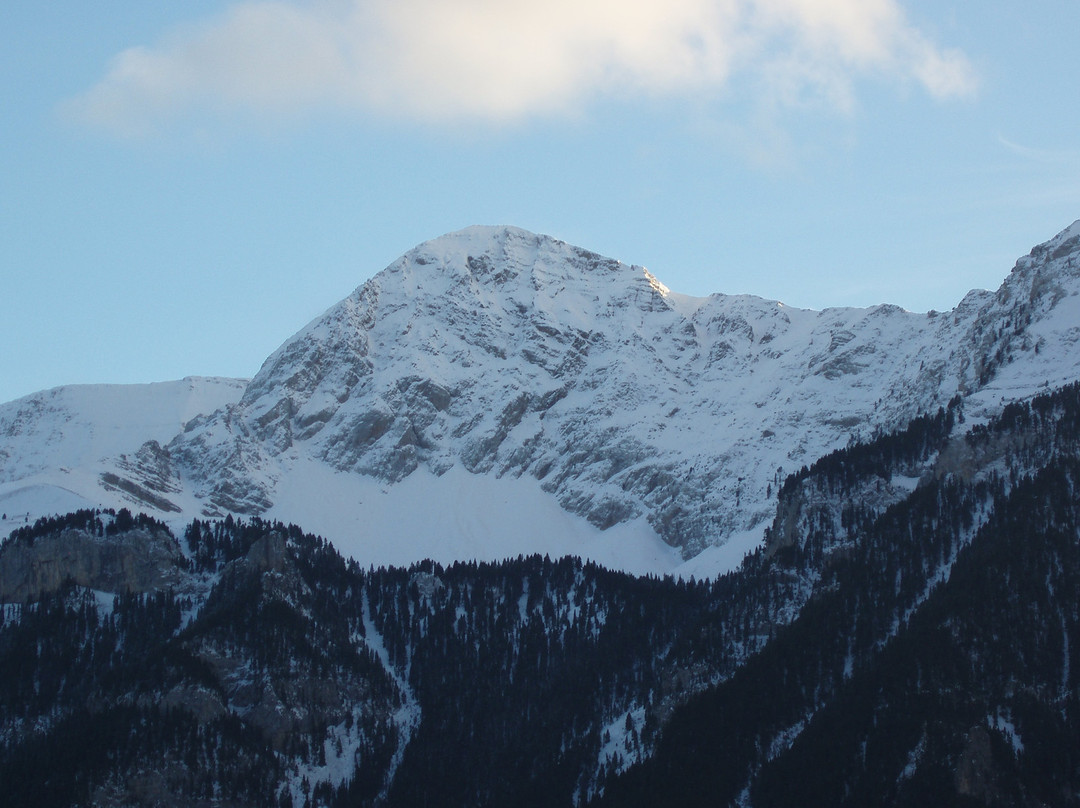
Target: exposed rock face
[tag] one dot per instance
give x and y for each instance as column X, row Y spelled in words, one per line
column 140, row 560
column 516, row 354
column 977, row 775
column 148, row 477
column 201, row 702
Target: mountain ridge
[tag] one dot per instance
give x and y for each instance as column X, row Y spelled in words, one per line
column 513, row 356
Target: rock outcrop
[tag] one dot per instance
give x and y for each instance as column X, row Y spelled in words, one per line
column 140, row 560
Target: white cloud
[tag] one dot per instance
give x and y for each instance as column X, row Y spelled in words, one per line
column 504, row 60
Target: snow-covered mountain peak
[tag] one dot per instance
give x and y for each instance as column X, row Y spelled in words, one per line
column 486, row 289
column 1060, row 249
column 482, row 256
column 501, row 355
column 508, row 353
column 1041, row 278
column 1027, row 333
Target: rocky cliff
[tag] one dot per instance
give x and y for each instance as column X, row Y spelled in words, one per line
column 140, row 560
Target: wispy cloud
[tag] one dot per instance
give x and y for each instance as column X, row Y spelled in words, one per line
column 1051, row 156
column 507, row 60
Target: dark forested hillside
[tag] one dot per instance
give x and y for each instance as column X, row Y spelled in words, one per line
column 908, row 635
column 277, row 672
column 931, row 664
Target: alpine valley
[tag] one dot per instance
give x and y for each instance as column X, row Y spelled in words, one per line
column 514, row 524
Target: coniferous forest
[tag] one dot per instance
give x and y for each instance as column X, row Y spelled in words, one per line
column 908, row 635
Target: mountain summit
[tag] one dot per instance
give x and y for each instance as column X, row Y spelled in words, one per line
column 494, row 367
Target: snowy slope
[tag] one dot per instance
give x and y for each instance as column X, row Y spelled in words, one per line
column 56, row 444
column 495, row 392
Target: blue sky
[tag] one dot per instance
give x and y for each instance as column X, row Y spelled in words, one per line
column 183, row 185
